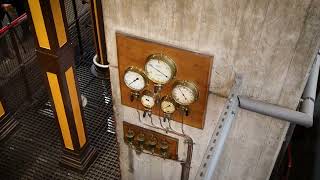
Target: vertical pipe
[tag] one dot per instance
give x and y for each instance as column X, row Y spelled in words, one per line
column 309, row 93
column 74, row 6
column 185, row 172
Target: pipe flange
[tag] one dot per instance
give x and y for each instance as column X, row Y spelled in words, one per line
column 99, row 70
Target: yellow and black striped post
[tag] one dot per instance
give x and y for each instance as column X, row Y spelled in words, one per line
column 7, row 123
column 100, row 67
column 56, row 57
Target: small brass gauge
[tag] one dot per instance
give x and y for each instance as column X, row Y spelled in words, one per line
column 185, row 93
column 160, row 69
column 168, row 107
column 147, row 99
column 135, row 79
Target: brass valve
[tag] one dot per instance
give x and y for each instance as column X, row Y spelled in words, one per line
column 130, row 136
column 140, row 139
column 134, row 95
column 152, row 144
column 164, row 149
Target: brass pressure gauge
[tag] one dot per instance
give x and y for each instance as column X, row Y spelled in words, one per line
column 185, row 92
column 168, row 107
column 147, row 99
column 160, row 69
column 135, row 79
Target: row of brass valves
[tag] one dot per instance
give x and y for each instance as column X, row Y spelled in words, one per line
column 152, row 143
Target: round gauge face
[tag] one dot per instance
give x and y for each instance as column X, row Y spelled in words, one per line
column 167, row 107
column 147, row 101
column 160, row 70
column 134, row 80
column 184, row 94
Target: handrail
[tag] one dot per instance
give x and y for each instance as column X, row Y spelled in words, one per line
column 13, row 24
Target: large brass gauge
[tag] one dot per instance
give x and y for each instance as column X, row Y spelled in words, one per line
column 185, row 93
column 160, row 69
column 136, row 80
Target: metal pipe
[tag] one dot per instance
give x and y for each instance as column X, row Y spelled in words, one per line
column 304, row 118
column 75, row 11
column 310, row 90
column 275, row 111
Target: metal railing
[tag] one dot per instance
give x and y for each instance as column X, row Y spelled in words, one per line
column 21, row 79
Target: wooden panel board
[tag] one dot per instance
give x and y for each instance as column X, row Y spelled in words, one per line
column 191, row 66
column 172, row 142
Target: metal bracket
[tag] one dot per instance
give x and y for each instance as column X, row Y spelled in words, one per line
column 220, row 134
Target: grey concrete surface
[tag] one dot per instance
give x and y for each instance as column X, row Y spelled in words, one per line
column 271, row 44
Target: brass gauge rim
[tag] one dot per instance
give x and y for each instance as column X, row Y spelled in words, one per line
column 169, row 99
column 148, row 93
column 190, row 85
column 165, row 59
column 139, row 71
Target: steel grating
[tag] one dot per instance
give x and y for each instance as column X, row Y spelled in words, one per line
column 34, row 151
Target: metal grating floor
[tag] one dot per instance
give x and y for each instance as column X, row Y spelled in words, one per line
column 33, row 152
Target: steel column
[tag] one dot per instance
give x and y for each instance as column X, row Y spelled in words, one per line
column 56, row 57
column 100, row 66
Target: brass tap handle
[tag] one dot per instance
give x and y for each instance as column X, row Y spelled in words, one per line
column 152, row 144
column 140, row 139
column 130, row 136
column 164, row 149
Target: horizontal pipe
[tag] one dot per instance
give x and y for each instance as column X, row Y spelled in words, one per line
column 304, row 118
column 275, row 111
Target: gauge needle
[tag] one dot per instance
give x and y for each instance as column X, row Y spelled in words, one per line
column 182, row 94
column 158, row 70
column 134, row 81
column 167, row 106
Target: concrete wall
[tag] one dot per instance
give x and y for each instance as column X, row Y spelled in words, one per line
column 270, row 43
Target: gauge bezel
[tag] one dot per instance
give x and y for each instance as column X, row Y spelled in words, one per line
column 190, row 85
column 166, row 59
column 148, row 93
column 139, row 71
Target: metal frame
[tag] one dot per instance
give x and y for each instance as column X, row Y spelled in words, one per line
column 219, row 136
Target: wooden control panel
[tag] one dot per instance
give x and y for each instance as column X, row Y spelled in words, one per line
column 153, row 142
column 191, row 66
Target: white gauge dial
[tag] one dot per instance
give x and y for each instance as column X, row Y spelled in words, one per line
column 167, row 107
column 184, row 93
column 147, row 101
column 160, row 69
column 134, row 79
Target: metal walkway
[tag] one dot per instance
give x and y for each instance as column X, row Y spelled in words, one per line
column 34, row 151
